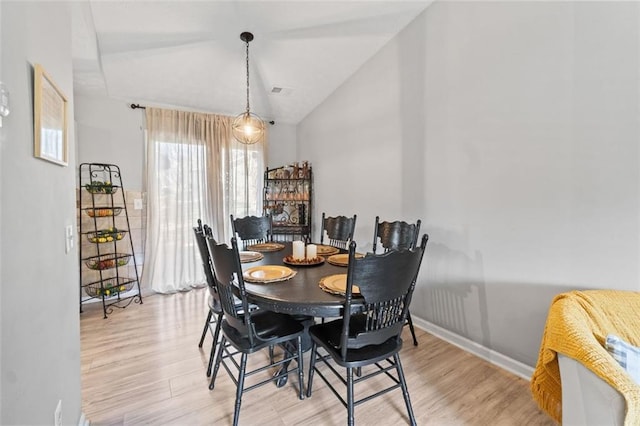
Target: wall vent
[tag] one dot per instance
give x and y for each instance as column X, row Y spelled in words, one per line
column 281, row 91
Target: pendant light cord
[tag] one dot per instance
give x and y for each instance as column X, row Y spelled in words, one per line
column 247, row 77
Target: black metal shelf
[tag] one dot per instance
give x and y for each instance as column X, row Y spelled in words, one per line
column 102, row 200
column 288, row 194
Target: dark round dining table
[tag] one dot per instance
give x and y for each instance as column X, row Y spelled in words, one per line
column 300, row 295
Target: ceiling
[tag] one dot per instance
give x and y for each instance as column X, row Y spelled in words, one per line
column 188, row 54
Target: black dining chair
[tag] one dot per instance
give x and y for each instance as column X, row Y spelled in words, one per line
column 252, row 229
column 198, row 230
column 397, row 235
column 203, row 232
column 245, row 332
column 368, row 335
column 339, row 230
column 214, row 317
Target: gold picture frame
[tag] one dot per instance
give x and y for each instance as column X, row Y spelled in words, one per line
column 50, row 119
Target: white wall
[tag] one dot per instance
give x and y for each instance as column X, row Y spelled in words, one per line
column 40, row 346
column 511, row 129
column 281, row 149
column 109, row 131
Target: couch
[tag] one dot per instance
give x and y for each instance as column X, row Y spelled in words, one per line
column 587, row 400
column 577, row 381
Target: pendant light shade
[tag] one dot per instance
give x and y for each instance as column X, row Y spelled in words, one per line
column 247, row 127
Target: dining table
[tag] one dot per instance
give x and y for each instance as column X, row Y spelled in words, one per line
column 299, row 295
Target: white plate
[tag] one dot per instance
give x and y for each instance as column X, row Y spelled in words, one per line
column 268, row 273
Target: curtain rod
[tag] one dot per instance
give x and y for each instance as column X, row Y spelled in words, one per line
column 138, row 106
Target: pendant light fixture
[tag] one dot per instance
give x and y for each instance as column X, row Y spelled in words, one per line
column 247, row 127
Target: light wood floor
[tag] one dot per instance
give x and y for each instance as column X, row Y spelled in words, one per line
column 142, row 365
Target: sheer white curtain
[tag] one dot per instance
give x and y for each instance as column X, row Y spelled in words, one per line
column 195, row 169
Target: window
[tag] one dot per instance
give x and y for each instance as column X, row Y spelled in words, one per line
column 195, row 170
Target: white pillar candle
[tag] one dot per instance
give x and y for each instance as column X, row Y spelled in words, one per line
column 312, row 251
column 298, row 250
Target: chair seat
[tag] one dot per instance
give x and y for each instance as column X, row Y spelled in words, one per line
column 270, row 328
column 327, row 335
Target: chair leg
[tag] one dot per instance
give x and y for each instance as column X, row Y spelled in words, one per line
column 214, row 374
column 312, row 366
column 300, row 369
column 214, row 345
column 350, row 416
column 206, row 328
column 413, row 332
column 240, row 389
column 405, row 391
column 212, row 355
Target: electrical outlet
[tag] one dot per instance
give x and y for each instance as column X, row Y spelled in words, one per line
column 137, row 203
column 57, row 415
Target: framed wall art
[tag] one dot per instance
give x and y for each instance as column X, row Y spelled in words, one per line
column 50, row 119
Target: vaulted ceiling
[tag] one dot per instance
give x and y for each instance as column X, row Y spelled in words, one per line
column 188, row 54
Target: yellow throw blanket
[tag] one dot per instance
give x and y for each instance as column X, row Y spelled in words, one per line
column 577, row 326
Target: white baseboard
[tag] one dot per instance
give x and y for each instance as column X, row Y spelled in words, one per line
column 509, row 364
